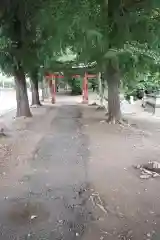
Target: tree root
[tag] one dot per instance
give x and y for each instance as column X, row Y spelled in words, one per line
column 36, row 105
column 99, row 108
column 121, row 122
column 112, row 120
column 93, row 104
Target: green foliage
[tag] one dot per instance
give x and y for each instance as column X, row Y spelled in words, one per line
column 37, row 33
column 27, row 35
column 76, row 85
column 148, row 82
column 93, row 84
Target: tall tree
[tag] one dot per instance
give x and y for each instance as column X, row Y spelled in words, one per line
column 104, row 33
column 34, row 76
column 22, row 23
column 18, row 29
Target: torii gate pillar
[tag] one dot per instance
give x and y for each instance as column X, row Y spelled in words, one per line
column 85, row 89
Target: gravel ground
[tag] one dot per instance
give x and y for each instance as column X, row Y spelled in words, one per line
column 51, row 198
column 132, row 204
column 68, row 175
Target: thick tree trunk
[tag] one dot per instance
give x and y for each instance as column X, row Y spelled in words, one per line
column 101, row 90
column 21, row 94
column 35, row 93
column 113, row 80
column 46, row 89
column 43, row 90
column 34, row 87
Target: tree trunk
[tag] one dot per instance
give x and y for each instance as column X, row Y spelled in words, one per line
column 43, row 90
column 113, row 80
column 21, row 94
column 101, row 90
column 35, row 93
column 46, row 89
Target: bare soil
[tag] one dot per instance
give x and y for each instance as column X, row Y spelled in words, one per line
column 131, row 205
column 22, row 138
column 76, row 174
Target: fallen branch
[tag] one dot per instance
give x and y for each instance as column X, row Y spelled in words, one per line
column 102, row 208
column 100, row 108
column 149, row 170
column 96, row 201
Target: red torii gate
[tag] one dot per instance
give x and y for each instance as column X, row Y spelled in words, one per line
column 85, row 86
column 52, row 85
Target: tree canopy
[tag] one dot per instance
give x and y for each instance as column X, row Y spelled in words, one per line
column 120, row 36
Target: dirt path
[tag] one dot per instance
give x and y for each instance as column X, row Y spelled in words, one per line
column 132, row 205
column 51, row 199
column 80, row 182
